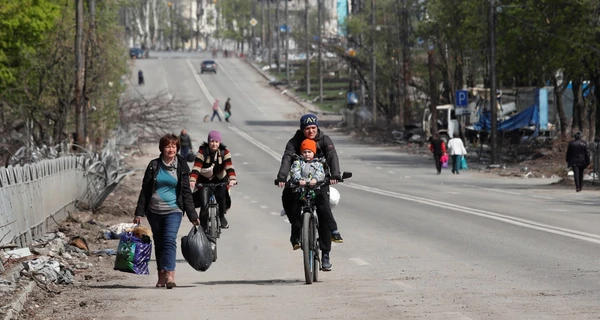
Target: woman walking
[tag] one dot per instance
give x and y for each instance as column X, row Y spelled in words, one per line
column 165, row 195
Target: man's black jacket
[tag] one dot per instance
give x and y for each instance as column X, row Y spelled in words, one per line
column 185, row 201
column 578, row 153
column 325, row 148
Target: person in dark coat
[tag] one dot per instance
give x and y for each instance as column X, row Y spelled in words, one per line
column 227, row 109
column 140, row 78
column 578, row 158
column 185, row 143
column 309, row 129
column 164, row 197
column 438, row 148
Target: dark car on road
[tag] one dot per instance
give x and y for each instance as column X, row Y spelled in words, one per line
column 137, row 53
column 208, row 66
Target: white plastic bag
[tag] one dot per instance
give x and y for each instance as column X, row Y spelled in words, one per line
column 334, row 197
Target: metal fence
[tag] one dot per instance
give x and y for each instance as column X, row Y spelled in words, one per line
column 35, row 196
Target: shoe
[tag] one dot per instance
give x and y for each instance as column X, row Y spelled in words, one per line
column 171, row 279
column 295, row 245
column 453, row 172
column 337, row 237
column 224, row 223
column 325, row 263
column 162, row 279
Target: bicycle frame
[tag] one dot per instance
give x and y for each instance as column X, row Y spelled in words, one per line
column 213, row 224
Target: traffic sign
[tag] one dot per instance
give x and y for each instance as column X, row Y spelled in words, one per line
column 462, row 98
column 462, row 102
column 253, row 22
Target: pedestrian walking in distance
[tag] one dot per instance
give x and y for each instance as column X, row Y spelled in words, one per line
column 578, row 158
column 438, row 148
column 457, row 150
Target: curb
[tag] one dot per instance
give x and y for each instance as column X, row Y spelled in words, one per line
column 292, row 97
column 16, row 306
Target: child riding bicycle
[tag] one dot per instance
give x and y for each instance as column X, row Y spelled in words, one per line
column 307, row 170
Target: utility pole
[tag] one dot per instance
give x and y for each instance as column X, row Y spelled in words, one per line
column 320, row 35
column 253, row 36
column 262, row 26
column 90, row 48
column 287, row 45
column 270, row 32
column 373, row 64
column 307, row 47
column 494, row 110
column 278, row 27
column 80, row 73
column 170, row 5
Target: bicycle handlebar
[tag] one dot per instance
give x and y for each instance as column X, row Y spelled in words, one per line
column 212, row 185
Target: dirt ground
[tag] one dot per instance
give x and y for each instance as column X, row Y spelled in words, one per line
column 78, row 300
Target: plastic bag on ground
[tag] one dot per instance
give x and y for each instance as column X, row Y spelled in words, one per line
column 196, row 249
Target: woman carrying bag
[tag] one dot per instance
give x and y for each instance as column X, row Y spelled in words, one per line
column 164, row 197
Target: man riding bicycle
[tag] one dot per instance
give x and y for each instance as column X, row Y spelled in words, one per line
column 213, row 165
column 309, row 129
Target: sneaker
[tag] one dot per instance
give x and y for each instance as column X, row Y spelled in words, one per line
column 295, row 245
column 337, row 237
column 325, row 263
column 282, row 213
column 224, row 223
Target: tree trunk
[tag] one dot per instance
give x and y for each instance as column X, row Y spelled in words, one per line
column 80, row 73
column 433, row 92
column 578, row 109
column 560, row 109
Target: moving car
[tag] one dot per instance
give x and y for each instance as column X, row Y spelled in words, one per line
column 208, row 66
column 137, row 53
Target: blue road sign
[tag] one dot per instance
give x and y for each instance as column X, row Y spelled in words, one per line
column 462, row 98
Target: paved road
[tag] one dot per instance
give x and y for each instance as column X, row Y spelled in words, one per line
column 417, row 245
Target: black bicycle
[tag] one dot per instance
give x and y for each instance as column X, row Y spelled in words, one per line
column 213, row 225
column 309, row 242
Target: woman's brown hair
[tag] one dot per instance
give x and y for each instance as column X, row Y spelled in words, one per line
column 168, row 139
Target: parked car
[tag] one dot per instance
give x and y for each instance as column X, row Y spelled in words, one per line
column 208, row 66
column 137, row 53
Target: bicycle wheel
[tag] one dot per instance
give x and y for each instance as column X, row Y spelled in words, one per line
column 307, row 246
column 212, row 226
column 315, row 249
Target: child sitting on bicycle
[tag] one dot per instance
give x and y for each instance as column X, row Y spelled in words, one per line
column 308, row 170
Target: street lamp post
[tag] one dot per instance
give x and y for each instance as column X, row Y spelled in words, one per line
column 170, row 5
column 493, row 108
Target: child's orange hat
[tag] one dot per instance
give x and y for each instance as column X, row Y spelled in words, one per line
column 309, row 144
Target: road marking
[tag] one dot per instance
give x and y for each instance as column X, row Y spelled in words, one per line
column 245, row 162
column 392, row 172
column 264, row 207
column 240, row 89
column 559, row 210
column 246, row 197
column 286, row 220
column 542, row 197
column 584, row 236
column 253, row 201
column 166, row 82
column 274, row 213
column 500, row 191
column 203, row 87
column 359, row 261
column 377, row 167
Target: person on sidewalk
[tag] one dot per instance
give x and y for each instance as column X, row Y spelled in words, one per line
column 438, row 148
column 578, row 158
column 164, row 197
column 457, row 151
column 215, row 108
column 213, row 165
column 185, row 142
column 140, row 78
column 227, row 109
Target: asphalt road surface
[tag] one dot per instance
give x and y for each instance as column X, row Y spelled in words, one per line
column 416, row 245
